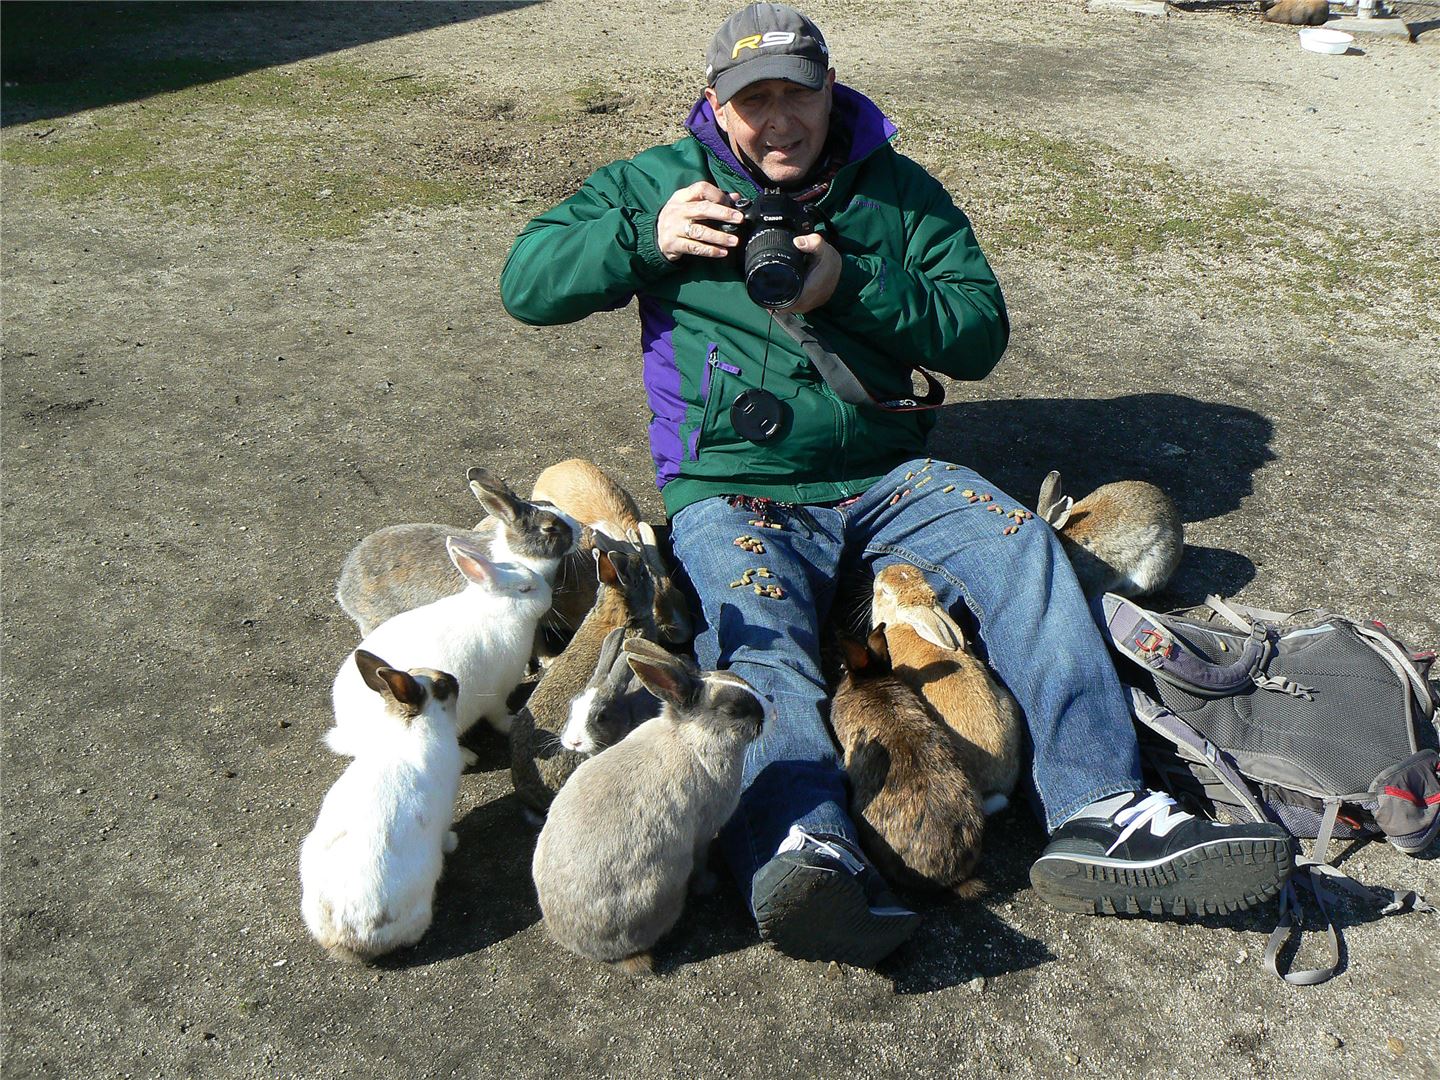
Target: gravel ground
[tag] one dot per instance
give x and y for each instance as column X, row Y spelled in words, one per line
column 249, row 314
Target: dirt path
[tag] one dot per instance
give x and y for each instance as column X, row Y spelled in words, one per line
column 249, row 316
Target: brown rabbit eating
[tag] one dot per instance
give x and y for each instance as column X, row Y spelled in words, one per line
column 1125, row 537
column 1295, row 12
column 928, row 650
column 916, row 810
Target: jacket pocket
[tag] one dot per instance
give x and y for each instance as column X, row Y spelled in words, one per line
column 717, row 392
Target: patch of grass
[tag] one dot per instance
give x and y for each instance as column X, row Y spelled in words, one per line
column 261, row 144
column 1036, row 196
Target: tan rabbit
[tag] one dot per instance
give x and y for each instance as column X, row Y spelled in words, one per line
column 1295, row 12
column 582, row 491
column 916, row 810
column 928, row 650
column 1125, row 537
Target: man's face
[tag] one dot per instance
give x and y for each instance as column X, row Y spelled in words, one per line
column 779, row 125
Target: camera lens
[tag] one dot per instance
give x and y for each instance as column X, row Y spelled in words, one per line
column 774, row 267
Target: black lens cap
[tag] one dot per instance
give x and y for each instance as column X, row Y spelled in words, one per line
column 756, row 415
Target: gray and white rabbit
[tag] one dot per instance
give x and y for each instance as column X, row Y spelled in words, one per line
column 613, row 703
column 482, row 634
column 929, row 651
column 627, row 833
column 916, row 808
column 369, row 867
column 540, row 763
column 582, row 490
column 403, row 567
column 1125, row 537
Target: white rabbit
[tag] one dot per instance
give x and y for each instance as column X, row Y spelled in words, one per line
column 627, row 832
column 482, row 634
column 369, row 867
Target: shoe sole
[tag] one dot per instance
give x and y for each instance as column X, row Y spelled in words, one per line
column 814, row 914
column 1226, row 876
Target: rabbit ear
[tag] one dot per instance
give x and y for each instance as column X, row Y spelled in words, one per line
column 390, row 683
column 647, row 536
column 470, row 561
column 610, row 652
column 878, row 647
column 1053, row 507
column 629, row 569
column 605, row 568
column 861, row 656
column 369, row 663
column 494, row 495
column 935, row 626
column 666, row 679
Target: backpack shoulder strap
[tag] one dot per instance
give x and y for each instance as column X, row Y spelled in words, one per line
column 1143, row 636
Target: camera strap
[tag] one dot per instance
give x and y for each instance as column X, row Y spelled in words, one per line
column 843, row 381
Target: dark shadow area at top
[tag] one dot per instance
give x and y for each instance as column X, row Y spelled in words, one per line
column 1203, row 454
column 61, row 58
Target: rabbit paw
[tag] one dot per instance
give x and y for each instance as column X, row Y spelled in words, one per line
column 468, row 757
column 451, row 841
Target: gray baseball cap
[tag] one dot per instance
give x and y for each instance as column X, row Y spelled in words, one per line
column 765, row 41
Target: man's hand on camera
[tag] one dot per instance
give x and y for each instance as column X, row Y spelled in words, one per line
column 685, row 226
column 821, row 278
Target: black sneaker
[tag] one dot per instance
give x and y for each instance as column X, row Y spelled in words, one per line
column 1150, row 858
column 818, row 899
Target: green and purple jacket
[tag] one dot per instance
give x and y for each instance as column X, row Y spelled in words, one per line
column 914, row 289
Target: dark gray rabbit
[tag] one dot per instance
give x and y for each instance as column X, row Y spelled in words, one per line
column 539, row 762
column 614, row 702
column 406, row 566
column 629, row 831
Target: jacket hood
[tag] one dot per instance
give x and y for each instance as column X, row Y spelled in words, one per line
column 868, row 127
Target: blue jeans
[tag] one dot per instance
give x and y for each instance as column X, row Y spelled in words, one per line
column 1037, row 628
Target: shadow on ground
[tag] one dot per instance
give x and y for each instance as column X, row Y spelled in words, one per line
column 61, row 58
column 1204, row 454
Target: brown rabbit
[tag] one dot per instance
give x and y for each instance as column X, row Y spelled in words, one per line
column 1125, row 537
column 580, row 489
column 928, row 650
column 1295, row 12
column 539, row 762
column 916, row 810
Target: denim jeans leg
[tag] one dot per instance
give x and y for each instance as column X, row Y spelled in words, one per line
column 793, row 772
column 1015, row 579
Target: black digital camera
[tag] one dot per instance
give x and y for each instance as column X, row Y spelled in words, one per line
column 774, row 268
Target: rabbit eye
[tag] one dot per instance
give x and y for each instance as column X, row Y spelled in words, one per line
column 527, row 588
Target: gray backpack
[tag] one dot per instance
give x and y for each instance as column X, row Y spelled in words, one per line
column 1326, row 727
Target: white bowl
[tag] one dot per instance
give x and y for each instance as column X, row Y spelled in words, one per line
column 1319, row 39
